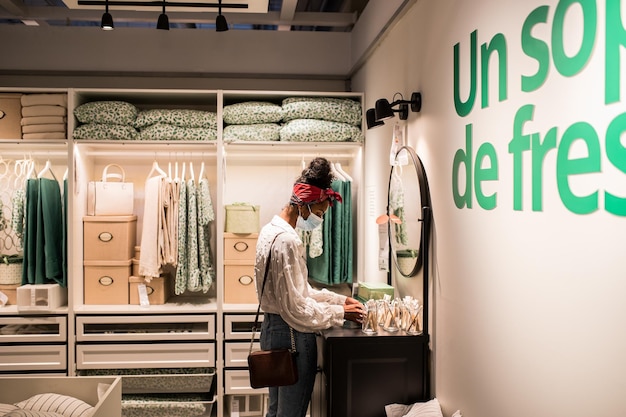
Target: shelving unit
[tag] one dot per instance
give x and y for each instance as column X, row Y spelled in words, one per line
column 260, row 173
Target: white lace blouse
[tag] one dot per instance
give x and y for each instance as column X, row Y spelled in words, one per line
column 287, row 291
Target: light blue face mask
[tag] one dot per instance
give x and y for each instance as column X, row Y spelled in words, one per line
column 309, row 223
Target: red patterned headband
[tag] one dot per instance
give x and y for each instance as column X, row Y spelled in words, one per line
column 306, row 193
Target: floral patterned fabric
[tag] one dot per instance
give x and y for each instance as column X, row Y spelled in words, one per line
column 258, row 132
column 114, row 112
column 252, row 112
column 104, row 131
column 177, row 117
column 163, row 131
column 188, row 405
column 322, row 108
column 309, row 130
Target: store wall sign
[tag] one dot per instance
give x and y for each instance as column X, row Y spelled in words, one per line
column 479, row 166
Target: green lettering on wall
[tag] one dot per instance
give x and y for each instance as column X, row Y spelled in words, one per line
column 465, row 158
column 569, row 66
column 517, row 146
column 615, row 41
column 463, row 108
column 535, row 48
column 489, row 173
column 566, row 167
column 497, row 44
column 616, row 152
column 539, row 151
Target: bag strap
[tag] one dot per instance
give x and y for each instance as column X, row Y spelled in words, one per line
column 258, row 310
column 120, row 176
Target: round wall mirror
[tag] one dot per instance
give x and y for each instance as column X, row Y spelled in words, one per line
column 408, row 212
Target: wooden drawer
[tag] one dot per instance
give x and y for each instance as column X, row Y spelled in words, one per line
column 239, row 326
column 236, row 353
column 240, row 247
column 145, row 328
column 153, row 355
column 33, row 329
column 109, row 238
column 238, row 382
column 239, row 285
column 33, row 357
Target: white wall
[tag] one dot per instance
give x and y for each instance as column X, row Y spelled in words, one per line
column 529, row 304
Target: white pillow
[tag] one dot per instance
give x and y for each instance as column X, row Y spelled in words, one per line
column 5, row 408
column 430, row 408
column 32, row 413
column 57, row 403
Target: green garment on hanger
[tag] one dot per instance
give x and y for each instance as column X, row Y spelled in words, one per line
column 30, row 231
column 50, row 230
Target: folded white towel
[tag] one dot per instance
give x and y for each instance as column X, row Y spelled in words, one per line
column 53, row 99
column 54, row 127
column 45, row 135
column 42, row 120
column 45, row 110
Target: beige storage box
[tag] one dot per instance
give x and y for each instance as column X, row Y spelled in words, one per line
column 109, row 238
column 106, row 282
column 41, row 297
column 239, row 286
column 158, row 289
column 10, row 116
column 242, row 218
column 240, row 247
column 10, row 291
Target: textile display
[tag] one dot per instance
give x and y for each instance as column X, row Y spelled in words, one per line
column 176, row 117
column 257, row 132
column 312, row 130
column 323, row 108
column 164, row 131
column 105, row 131
column 252, row 112
column 44, row 116
column 108, row 112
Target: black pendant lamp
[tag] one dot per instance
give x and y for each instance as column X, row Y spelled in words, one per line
column 163, row 23
column 107, row 19
column 220, row 21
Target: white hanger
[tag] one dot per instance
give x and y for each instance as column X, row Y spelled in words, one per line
column 183, row 174
column 47, row 168
column 65, row 173
column 342, row 172
column 336, row 172
column 201, row 174
column 192, row 176
column 156, row 169
column 176, row 177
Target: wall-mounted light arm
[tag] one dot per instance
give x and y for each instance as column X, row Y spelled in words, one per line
column 384, row 110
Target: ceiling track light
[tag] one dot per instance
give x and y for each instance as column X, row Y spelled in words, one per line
column 164, row 22
column 384, row 110
column 220, row 21
column 107, row 19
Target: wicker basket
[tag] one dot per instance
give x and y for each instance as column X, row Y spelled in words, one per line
column 11, row 269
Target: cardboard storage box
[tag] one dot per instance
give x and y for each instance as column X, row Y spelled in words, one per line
column 373, row 290
column 109, row 238
column 41, row 297
column 242, row 218
column 10, row 116
column 106, row 282
column 158, row 289
column 240, row 247
column 10, row 291
column 239, row 286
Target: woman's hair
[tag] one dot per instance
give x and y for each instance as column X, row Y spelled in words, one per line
column 318, row 173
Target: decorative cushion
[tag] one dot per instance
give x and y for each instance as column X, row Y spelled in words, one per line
column 32, row 413
column 105, row 131
column 252, row 112
column 430, row 408
column 323, row 108
column 164, row 131
column 176, row 117
column 5, row 408
column 310, row 130
column 57, row 403
column 114, row 112
column 258, row 132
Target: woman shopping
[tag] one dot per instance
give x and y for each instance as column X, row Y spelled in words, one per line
column 290, row 305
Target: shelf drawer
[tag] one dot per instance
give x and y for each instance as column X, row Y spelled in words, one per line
column 238, row 382
column 33, row 357
column 33, row 329
column 159, row 380
column 236, row 353
column 153, row 355
column 188, row 405
column 239, row 285
column 239, row 326
column 240, row 247
column 145, row 328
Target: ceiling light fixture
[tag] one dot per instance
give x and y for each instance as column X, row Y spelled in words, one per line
column 220, row 21
column 164, row 22
column 384, row 110
column 107, row 19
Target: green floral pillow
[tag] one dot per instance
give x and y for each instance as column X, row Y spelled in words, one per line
column 252, row 112
column 258, row 132
column 164, row 131
column 311, row 130
column 177, row 117
column 322, row 108
column 114, row 112
column 105, row 131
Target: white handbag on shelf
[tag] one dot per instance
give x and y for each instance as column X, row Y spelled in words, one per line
column 110, row 198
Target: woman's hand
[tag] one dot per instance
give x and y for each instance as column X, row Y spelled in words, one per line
column 353, row 310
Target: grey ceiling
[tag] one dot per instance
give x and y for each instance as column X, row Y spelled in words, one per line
column 285, row 15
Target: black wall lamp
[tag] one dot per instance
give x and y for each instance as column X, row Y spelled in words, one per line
column 220, row 21
column 384, row 110
column 164, row 22
column 107, row 19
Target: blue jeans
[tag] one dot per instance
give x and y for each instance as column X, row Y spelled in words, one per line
column 292, row 400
